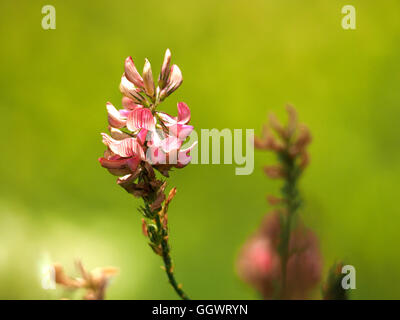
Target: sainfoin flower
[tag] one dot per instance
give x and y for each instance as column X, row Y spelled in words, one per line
column 259, row 262
column 139, row 133
column 142, row 140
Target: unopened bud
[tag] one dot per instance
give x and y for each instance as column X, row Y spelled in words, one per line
column 174, row 81
column 132, row 74
column 144, row 228
column 276, row 125
column 128, row 89
column 274, row 172
column 292, row 121
column 148, row 81
column 272, row 200
column 165, row 70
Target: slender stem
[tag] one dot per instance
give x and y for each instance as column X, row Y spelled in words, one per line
column 292, row 201
column 168, row 261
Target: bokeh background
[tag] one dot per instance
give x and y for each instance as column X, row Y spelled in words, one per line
column 241, row 60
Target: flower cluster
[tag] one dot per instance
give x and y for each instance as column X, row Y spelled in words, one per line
column 144, row 140
column 260, row 261
column 95, row 282
column 282, row 260
column 141, row 137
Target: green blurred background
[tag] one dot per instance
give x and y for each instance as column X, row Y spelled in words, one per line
column 240, row 60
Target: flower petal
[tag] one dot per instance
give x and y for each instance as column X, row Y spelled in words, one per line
column 183, row 113
column 129, row 90
column 141, row 136
column 118, row 134
column 148, row 81
column 154, row 155
column 184, row 157
column 165, row 70
column 128, row 103
column 115, row 119
column 124, row 148
column 113, row 164
column 181, row 131
column 170, row 143
column 167, row 119
column 141, row 118
column 132, row 74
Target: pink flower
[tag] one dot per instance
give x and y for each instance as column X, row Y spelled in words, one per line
column 178, row 126
column 141, row 134
column 259, row 262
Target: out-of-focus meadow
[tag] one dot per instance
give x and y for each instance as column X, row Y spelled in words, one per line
column 240, row 60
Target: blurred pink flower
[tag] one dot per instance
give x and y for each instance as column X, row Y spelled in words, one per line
column 259, row 262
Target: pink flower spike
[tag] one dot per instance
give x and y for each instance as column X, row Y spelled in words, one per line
column 141, row 118
column 129, row 104
column 115, row 119
column 132, row 74
column 124, row 148
column 183, row 113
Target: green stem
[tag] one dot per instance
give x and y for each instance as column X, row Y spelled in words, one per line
column 168, row 261
column 292, row 201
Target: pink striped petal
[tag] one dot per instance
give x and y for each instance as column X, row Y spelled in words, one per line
column 129, row 104
column 141, row 118
column 132, row 74
column 115, row 119
column 124, row 148
column 167, row 119
column 183, row 113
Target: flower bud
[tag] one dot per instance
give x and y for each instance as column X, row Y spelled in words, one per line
column 148, row 81
column 132, row 74
column 165, row 70
column 174, row 81
column 129, row 90
column 292, row 121
column 274, row 172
